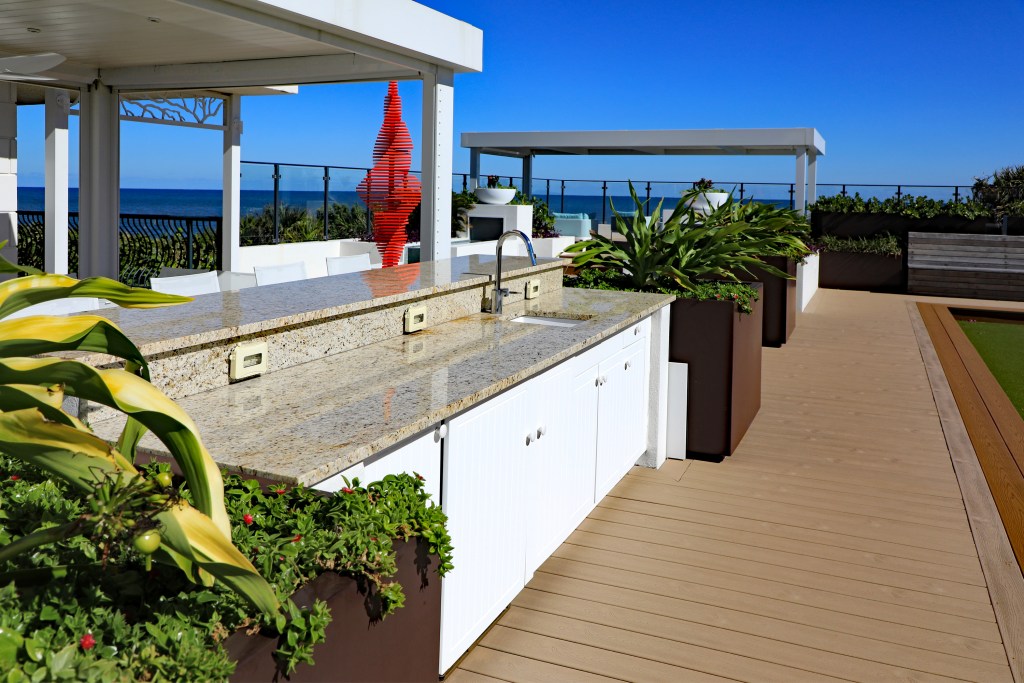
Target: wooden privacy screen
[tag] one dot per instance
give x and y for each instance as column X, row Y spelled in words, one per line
column 993, row 424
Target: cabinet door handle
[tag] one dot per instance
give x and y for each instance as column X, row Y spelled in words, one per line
column 636, row 331
column 529, row 439
column 628, row 365
column 597, row 382
column 541, row 431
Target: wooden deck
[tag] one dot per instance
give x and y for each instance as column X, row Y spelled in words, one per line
column 833, row 545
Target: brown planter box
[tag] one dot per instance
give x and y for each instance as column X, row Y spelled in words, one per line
column 360, row 647
column 779, row 296
column 723, row 349
column 872, row 272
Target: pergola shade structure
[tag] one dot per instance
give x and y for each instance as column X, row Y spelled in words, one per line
column 115, row 48
column 805, row 144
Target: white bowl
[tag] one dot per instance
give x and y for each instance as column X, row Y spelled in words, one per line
column 494, row 195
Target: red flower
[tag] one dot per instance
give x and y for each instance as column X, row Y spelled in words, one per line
column 735, row 296
column 15, row 477
column 87, row 642
column 420, row 476
column 280, row 490
column 718, row 296
column 298, row 537
column 346, row 489
column 247, row 518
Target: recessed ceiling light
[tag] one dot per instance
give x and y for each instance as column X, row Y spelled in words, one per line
column 32, row 29
column 155, row 20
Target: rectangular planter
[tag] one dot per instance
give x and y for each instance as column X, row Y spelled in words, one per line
column 867, row 224
column 404, row 646
column 722, row 348
column 871, row 272
column 779, row 296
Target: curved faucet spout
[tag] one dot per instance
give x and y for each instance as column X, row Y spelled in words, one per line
column 499, row 292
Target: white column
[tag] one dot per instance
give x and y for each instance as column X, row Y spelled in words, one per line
column 99, row 182
column 474, row 168
column 231, row 206
column 812, row 177
column 55, row 248
column 438, row 131
column 9, row 169
column 800, row 202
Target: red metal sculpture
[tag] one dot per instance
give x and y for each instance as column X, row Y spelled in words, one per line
column 388, row 190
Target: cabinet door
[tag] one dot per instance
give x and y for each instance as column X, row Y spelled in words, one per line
column 482, row 495
column 622, row 416
column 559, row 478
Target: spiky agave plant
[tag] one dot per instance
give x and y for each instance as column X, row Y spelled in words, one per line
column 35, row 428
column 679, row 252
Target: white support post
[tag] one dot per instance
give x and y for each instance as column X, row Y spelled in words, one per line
column 9, row 169
column 55, row 242
column 231, row 202
column 801, row 181
column 812, row 177
column 438, row 133
column 99, row 182
column 528, row 175
column 474, row 168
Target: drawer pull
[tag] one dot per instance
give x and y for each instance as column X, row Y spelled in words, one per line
column 529, row 439
column 636, row 331
column 628, row 365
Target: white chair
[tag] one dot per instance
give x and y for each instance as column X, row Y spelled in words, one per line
column 58, row 307
column 273, row 275
column 187, row 285
column 339, row 265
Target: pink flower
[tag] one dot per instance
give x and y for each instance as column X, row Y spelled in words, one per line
column 15, row 477
column 87, row 642
column 346, row 489
column 247, row 518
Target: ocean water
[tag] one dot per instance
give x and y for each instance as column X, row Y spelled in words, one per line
column 163, row 202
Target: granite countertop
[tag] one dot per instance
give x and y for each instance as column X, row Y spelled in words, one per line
column 226, row 315
column 305, row 423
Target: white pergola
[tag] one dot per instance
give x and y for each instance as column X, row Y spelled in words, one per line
column 120, row 52
column 805, row 144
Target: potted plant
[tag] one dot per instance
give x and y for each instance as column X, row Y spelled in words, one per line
column 872, row 263
column 785, row 232
column 715, row 321
column 706, row 198
column 495, row 192
column 111, row 570
column 547, row 242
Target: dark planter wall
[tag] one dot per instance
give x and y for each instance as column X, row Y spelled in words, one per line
column 779, row 297
column 360, row 647
column 867, row 224
column 723, row 349
column 870, row 272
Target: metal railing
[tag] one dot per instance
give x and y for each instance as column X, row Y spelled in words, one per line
column 146, row 243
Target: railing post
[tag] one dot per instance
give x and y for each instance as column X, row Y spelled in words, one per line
column 465, row 182
column 547, row 193
column 956, row 194
column 741, row 192
column 899, row 191
column 604, row 200
column 327, row 189
column 188, row 250
column 561, row 206
column 277, row 202
column 647, row 201
column 792, row 200
column 844, row 190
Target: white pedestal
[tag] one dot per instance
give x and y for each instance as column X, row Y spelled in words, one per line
column 806, row 281
column 677, row 379
column 513, row 216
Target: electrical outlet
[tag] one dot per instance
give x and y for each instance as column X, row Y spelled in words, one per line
column 415, row 318
column 247, row 360
column 532, row 289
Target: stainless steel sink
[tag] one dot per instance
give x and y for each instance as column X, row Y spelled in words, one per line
column 550, row 321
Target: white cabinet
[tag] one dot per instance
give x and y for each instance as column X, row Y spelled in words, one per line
column 621, row 416
column 483, row 494
column 420, row 454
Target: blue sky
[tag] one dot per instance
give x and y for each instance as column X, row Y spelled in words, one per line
column 911, row 92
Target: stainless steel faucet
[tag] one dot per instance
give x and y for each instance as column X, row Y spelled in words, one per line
column 499, row 292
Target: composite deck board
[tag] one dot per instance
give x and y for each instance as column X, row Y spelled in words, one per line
column 833, row 544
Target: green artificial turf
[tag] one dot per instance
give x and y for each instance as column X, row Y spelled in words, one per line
column 1001, row 346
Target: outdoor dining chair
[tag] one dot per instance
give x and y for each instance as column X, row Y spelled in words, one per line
column 338, row 265
column 272, row 275
column 187, row 285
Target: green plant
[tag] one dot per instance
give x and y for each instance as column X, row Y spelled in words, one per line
column 1002, row 193
column 170, row 629
column 882, row 245
column 905, row 205
column 704, row 185
column 494, row 181
column 785, row 231
column 679, row 252
column 543, row 219
column 462, row 202
column 743, row 296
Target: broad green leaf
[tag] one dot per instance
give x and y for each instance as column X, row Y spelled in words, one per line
column 26, row 291
column 140, row 400
column 38, row 334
